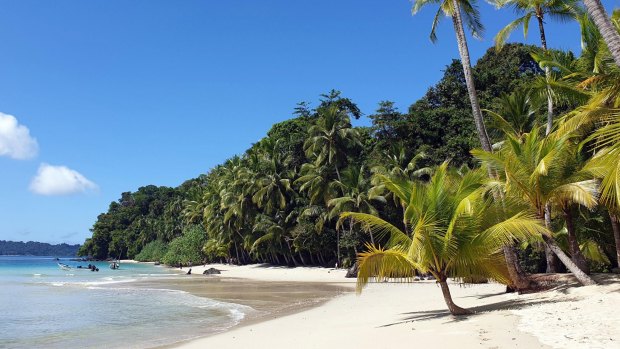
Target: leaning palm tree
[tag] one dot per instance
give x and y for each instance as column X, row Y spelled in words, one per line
column 605, row 26
column 455, row 233
column 561, row 10
column 465, row 11
column 532, row 169
column 462, row 12
column 605, row 165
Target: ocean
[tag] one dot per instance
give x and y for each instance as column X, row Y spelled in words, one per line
column 43, row 306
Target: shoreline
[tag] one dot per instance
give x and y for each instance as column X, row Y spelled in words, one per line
column 398, row 313
column 350, row 320
column 271, row 295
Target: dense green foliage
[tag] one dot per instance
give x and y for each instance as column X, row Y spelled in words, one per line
column 186, row 249
column 440, row 123
column 154, row 251
column 281, row 200
column 152, row 213
column 32, row 248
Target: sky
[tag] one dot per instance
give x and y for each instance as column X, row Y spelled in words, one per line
column 100, row 97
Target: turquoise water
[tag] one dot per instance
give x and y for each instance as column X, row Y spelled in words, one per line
column 43, row 306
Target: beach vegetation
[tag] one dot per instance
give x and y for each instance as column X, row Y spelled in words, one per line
column 154, row 251
column 526, row 140
column 186, row 249
column 456, row 230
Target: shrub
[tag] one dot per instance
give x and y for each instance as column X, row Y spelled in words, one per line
column 154, row 251
column 187, row 248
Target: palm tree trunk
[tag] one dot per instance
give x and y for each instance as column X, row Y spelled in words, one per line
column 337, row 172
column 543, row 44
column 447, row 297
column 583, row 278
column 520, row 282
column 301, row 257
column 541, row 28
column 520, row 277
column 321, row 259
column 237, row 253
column 575, row 253
column 469, row 78
column 552, row 261
column 607, row 29
column 482, row 134
column 290, row 250
column 615, row 226
column 338, row 249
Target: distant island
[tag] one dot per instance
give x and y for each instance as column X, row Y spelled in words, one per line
column 33, row 248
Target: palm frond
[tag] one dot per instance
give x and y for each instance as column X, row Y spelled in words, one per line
column 379, row 227
column 381, row 264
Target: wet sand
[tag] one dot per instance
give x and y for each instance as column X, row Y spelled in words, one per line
column 395, row 313
column 268, row 299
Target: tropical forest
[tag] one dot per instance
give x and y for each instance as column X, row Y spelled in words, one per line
column 507, row 167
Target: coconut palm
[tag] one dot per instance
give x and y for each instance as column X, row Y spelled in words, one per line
column 397, row 163
column 533, row 169
column 608, row 31
column 599, row 76
column 462, row 12
column 465, row 11
column 354, row 188
column 516, row 114
column 330, row 138
column 561, row 10
column 455, row 233
column 317, row 182
column 605, row 165
column 400, row 171
column 565, row 204
column 272, row 177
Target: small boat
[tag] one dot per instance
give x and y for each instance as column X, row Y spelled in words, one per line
column 63, row 266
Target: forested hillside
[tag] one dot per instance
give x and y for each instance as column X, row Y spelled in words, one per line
column 281, row 200
column 32, row 248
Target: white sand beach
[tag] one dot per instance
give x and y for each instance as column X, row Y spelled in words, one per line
column 393, row 314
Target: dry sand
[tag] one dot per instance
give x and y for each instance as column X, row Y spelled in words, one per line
column 391, row 314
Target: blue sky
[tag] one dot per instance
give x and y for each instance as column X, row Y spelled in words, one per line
column 121, row 94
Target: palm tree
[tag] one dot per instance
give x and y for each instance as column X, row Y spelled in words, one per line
column 318, row 183
column 459, row 11
column 354, row 188
column 606, row 27
column 455, row 233
column 400, row 170
column 605, row 165
column 564, row 204
column 561, row 10
column 330, row 138
column 271, row 180
column 532, row 168
column 599, row 77
column 517, row 114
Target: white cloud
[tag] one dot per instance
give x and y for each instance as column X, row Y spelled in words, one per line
column 59, row 180
column 15, row 139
